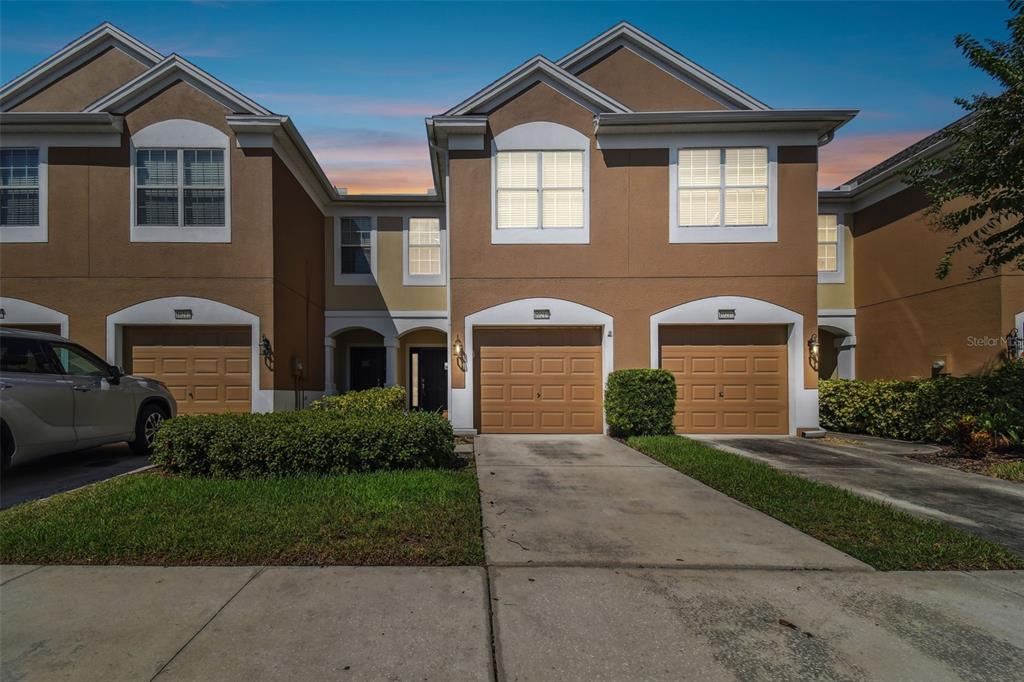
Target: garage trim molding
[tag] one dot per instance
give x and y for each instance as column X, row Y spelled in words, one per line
column 803, row 402
column 160, row 311
column 18, row 311
column 520, row 314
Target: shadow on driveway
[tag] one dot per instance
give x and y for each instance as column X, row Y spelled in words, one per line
column 59, row 473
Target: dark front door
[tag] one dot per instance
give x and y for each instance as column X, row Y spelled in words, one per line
column 367, row 367
column 428, row 378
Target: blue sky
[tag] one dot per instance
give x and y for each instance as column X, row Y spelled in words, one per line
column 358, row 78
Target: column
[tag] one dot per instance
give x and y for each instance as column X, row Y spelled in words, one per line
column 329, row 346
column 391, row 360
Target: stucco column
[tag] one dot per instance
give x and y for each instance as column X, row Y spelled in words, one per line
column 846, row 347
column 391, row 361
column 329, row 346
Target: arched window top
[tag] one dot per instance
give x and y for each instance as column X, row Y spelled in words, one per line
column 540, row 135
column 179, row 132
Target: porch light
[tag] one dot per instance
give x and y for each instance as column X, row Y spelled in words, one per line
column 267, row 352
column 1014, row 344
column 813, row 346
column 458, row 352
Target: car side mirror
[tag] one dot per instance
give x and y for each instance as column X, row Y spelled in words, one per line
column 115, row 374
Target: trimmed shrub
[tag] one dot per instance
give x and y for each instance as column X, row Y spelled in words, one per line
column 640, row 402
column 304, row 442
column 920, row 409
column 371, row 400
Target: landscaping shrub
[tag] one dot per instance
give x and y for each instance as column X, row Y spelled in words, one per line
column 640, row 402
column 304, row 442
column 390, row 399
column 920, row 409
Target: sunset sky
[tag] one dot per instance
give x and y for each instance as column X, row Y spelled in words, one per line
column 359, row 78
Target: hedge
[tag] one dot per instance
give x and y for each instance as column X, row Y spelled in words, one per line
column 304, row 442
column 640, row 402
column 390, row 399
column 920, row 409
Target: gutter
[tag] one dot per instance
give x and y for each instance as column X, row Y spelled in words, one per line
column 12, row 122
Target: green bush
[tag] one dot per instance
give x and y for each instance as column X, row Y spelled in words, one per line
column 390, row 399
column 304, row 442
column 640, row 402
column 919, row 409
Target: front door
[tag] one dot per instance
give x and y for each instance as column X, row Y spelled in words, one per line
column 428, row 378
column 367, row 367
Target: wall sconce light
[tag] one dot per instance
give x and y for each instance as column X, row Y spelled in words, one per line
column 3, row 314
column 267, row 352
column 460, row 353
column 813, row 347
column 1014, row 344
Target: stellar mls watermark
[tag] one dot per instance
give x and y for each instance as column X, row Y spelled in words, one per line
column 985, row 341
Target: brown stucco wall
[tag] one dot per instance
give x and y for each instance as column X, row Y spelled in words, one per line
column 86, row 84
column 628, row 270
column 640, row 85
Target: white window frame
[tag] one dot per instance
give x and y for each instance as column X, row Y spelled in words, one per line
column 411, row 280
column 723, row 234
column 31, row 234
column 181, row 134
column 355, row 278
column 540, row 136
column 839, row 275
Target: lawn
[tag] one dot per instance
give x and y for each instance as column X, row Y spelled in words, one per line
column 424, row 517
column 875, row 533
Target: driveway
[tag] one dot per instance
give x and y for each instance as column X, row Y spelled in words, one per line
column 873, row 467
column 60, row 473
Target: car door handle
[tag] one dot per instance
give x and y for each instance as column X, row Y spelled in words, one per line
column 82, row 389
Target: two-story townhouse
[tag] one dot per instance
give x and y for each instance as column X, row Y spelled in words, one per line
column 624, row 207
column 883, row 314
column 166, row 221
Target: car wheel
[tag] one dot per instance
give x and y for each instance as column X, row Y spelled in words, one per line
column 150, row 418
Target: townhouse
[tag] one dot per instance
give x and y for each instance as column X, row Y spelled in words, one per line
column 621, row 207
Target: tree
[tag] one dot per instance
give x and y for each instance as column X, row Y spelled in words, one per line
column 985, row 164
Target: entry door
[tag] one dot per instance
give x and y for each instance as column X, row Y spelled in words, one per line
column 368, row 368
column 428, row 378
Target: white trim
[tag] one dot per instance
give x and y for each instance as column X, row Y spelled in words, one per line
column 31, row 234
column 803, row 402
column 411, row 280
column 625, row 35
column 839, row 275
column 520, row 314
column 343, row 279
column 723, row 234
column 540, row 136
column 1018, row 323
column 172, row 69
column 390, row 325
column 70, row 57
column 160, row 311
column 837, row 312
column 538, row 69
column 180, row 133
column 19, row 311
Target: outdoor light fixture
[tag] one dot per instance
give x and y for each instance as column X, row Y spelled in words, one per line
column 267, row 351
column 459, row 352
column 813, row 346
column 3, row 314
column 183, row 313
column 1013, row 344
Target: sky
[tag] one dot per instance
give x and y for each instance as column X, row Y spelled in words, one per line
column 359, row 78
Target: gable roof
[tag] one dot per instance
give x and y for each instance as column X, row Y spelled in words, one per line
column 626, row 35
column 543, row 70
column 70, row 57
column 172, row 69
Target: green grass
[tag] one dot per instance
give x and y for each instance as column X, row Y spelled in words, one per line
column 425, row 517
column 875, row 533
column 1009, row 471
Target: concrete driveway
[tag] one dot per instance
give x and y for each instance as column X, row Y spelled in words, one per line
column 874, row 467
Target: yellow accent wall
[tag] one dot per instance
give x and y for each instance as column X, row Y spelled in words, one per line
column 832, row 296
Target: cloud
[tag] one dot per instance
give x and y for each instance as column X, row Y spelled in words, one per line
column 372, row 160
column 846, row 157
column 350, row 105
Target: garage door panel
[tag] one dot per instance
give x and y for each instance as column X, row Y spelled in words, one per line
column 172, row 365
column 550, row 365
column 733, row 385
column 552, row 393
column 492, row 365
column 552, row 420
column 521, row 365
column 206, row 366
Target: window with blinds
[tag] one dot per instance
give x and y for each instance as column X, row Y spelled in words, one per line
column 828, row 243
column 19, row 187
column 356, row 246
column 180, row 188
column 424, row 246
column 723, row 187
column 539, row 190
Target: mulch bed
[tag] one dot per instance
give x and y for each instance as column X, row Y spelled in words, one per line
column 954, row 461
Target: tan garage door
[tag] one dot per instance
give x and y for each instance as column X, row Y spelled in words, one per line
column 728, row 379
column 207, row 369
column 539, row 381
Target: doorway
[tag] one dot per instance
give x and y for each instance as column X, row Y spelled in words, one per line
column 367, row 367
column 428, row 378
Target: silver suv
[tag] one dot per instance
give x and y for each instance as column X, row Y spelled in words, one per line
column 56, row 396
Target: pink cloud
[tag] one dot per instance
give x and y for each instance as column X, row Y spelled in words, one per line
column 846, row 157
column 373, row 161
column 407, row 180
column 349, row 105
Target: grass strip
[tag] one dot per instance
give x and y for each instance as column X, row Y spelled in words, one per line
column 877, row 534
column 422, row 517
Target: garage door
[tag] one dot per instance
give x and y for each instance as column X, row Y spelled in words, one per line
column 728, row 379
column 207, row 369
column 539, row 381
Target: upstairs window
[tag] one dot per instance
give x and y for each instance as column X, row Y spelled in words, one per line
column 19, row 188
column 180, row 188
column 828, row 243
column 356, row 247
column 723, row 187
column 539, row 190
column 424, row 246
